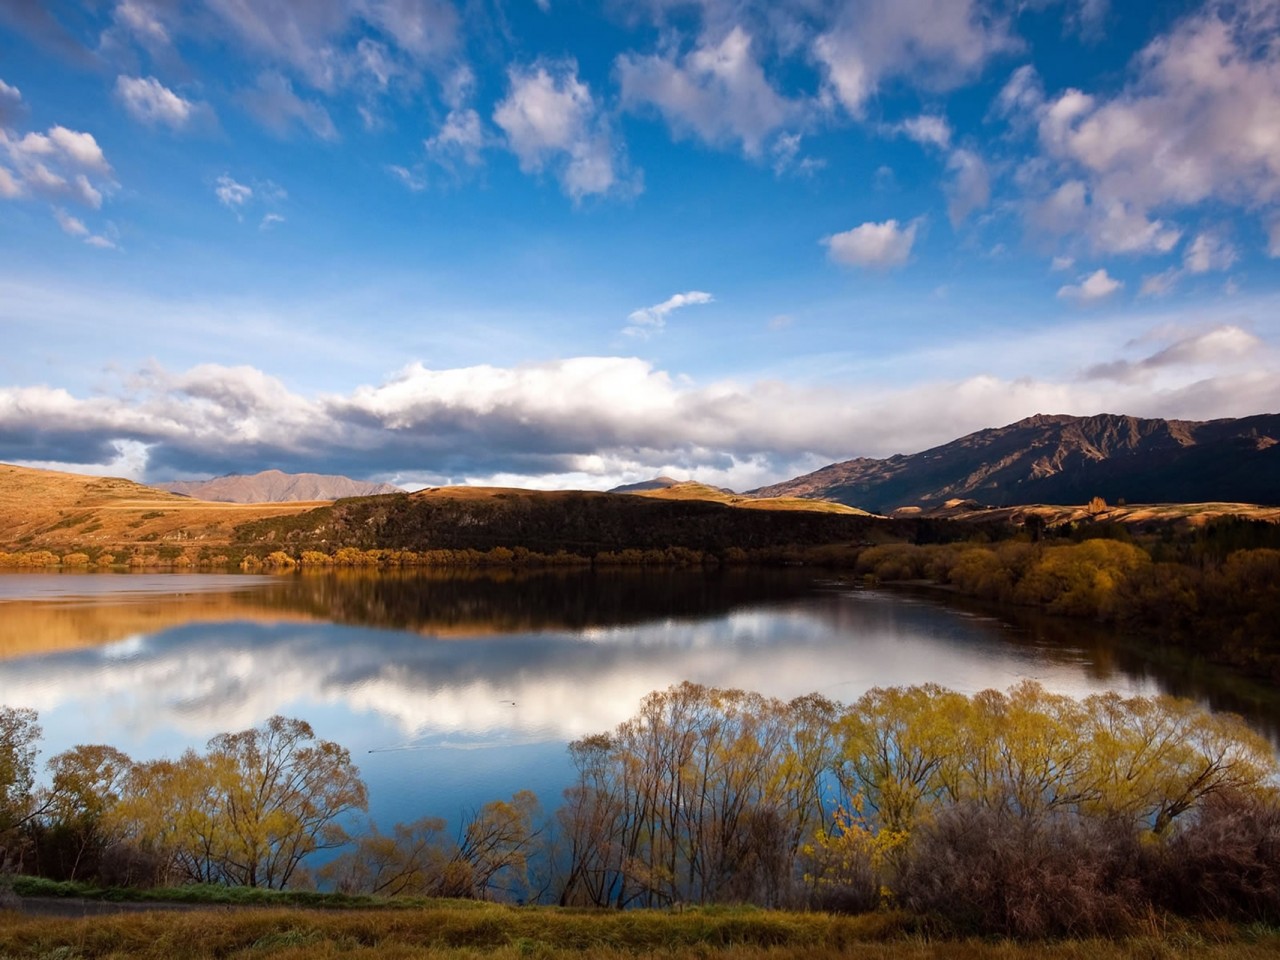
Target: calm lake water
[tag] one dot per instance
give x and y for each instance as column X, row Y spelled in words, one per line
column 454, row 690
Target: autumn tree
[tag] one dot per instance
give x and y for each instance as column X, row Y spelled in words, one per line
column 19, row 733
column 86, row 783
column 285, row 794
column 249, row 810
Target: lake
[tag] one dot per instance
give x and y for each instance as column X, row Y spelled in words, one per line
column 453, row 690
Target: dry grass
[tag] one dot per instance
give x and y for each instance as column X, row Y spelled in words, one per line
column 1175, row 514
column 466, row 931
column 700, row 491
column 45, row 509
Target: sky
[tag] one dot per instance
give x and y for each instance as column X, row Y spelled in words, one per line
column 566, row 244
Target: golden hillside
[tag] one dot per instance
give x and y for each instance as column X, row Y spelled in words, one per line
column 49, row 510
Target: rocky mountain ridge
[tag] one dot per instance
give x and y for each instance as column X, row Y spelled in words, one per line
column 1055, row 458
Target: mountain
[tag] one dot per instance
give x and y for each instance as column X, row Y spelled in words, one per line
column 273, row 486
column 1064, row 459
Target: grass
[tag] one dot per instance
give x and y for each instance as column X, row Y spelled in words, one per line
column 456, row 930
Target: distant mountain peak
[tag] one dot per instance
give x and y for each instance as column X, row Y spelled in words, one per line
column 1063, row 459
column 276, row 486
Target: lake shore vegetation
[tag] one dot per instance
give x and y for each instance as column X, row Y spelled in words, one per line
column 1021, row 814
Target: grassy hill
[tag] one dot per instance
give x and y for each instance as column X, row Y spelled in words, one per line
column 49, row 510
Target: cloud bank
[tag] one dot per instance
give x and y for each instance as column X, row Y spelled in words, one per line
column 597, row 421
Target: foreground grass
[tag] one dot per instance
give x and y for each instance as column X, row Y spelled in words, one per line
column 456, row 931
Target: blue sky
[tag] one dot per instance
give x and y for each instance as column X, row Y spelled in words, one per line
column 566, row 244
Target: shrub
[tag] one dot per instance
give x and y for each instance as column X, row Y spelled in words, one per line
column 987, row 871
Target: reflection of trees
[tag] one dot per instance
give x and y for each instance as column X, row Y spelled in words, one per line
column 509, row 601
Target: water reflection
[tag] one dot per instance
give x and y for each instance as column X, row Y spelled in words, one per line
column 454, row 690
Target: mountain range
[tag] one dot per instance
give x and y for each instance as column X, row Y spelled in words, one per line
column 1063, row 459
column 274, row 486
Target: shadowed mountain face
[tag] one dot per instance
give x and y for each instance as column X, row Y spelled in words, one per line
column 273, row 486
column 1063, row 459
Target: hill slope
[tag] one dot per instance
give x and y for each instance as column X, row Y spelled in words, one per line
column 1064, row 459
column 274, row 486
column 48, row 509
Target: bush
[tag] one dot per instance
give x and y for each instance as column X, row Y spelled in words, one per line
column 1225, row 863
column 987, row 871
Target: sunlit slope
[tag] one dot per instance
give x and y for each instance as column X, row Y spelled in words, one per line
column 46, row 509
column 700, row 491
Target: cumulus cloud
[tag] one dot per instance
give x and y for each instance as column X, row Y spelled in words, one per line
column 1209, row 251
column 149, row 101
column 1225, row 342
column 934, row 43
column 231, row 193
column 59, row 165
column 551, row 120
column 650, row 320
column 593, row 421
column 927, row 129
column 1197, row 124
column 1111, row 226
column 717, row 92
column 876, row 245
column 461, row 136
column 278, row 108
column 1095, row 287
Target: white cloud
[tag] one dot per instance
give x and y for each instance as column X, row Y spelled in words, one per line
column 269, row 220
column 1111, row 226
column 75, row 227
column 1273, row 238
column 413, row 180
column 718, row 92
column 1062, row 263
column 426, row 29
column 600, row 419
column 10, row 103
column 142, row 21
column 927, row 129
column 933, row 43
column 1022, row 96
column 877, row 245
column 550, row 119
column 1095, row 287
column 150, row 101
column 462, row 135
column 1199, row 123
column 650, row 320
column 273, row 102
column 58, row 166
column 230, row 193
column 1224, row 343
column 1160, row 284
column 70, row 225
column 970, row 186
column 1208, row 251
